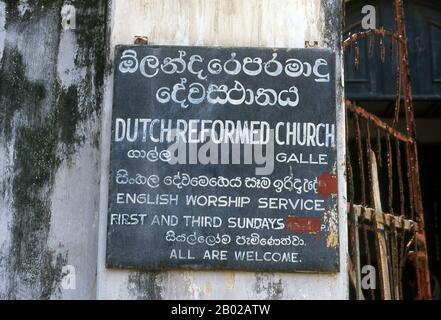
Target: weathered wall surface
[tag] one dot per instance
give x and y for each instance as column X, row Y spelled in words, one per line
column 50, row 107
column 268, row 23
column 55, row 111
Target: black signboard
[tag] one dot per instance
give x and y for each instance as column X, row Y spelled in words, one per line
column 223, row 158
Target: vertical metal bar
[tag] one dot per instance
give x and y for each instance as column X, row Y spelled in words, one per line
column 402, row 257
column 379, row 265
column 398, row 89
column 390, row 175
column 417, row 264
column 379, row 223
column 360, row 159
column 400, row 177
column 379, row 158
column 352, row 248
column 368, row 157
column 421, row 253
column 390, row 259
column 367, row 252
column 357, row 258
column 410, row 186
column 394, row 258
column 350, row 172
column 353, row 219
column 411, row 159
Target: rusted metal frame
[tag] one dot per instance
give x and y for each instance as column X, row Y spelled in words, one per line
column 397, row 256
column 379, row 159
column 381, row 240
column 378, row 122
column 368, row 150
column 379, row 265
column 365, row 34
column 363, row 195
column 421, row 243
column 352, row 247
column 418, row 266
column 404, row 69
column 415, row 201
column 390, row 259
column 395, row 263
column 353, row 224
column 356, row 55
column 350, row 171
column 410, row 185
column 421, row 252
column 402, row 258
column 353, row 40
column 360, row 159
column 390, row 174
column 367, row 252
column 398, row 91
column 390, row 224
column 356, row 255
column 400, row 176
column 367, row 214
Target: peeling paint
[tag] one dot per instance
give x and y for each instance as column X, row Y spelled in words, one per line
column 331, row 13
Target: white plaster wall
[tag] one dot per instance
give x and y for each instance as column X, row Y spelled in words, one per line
column 74, row 220
column 267, row 23
column 67, row 234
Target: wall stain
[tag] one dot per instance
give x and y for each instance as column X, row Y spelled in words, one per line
column 47, row 116
column 144, row 285
column 332, row 23
column 273, row 290
column 67, row 117
column 16, row 92
column 91, row 38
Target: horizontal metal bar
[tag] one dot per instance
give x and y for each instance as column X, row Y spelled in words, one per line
column 388, row 97
column 364, row 34
column 387, row 219
column 378, row 122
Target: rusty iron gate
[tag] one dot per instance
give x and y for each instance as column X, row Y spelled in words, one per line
column 385, row 212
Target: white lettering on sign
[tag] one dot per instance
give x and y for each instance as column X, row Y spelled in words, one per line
column 291, row 204
column 149, row 66
column 226, row 131
column 217, row 201
column 255, row 256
